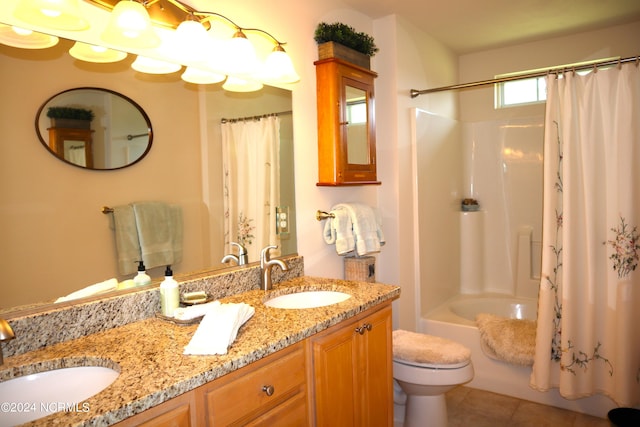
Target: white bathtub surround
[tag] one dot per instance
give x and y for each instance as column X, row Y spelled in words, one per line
column 509, row 340
column 472, row 273
column 588, row 342
column 490, row 374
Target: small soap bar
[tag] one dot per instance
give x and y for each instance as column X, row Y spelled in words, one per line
column 194, row 297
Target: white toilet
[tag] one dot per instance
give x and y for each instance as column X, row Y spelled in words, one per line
column 426, row 367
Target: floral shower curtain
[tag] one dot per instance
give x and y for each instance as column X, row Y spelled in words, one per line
column 588, row 338
column 251, row 167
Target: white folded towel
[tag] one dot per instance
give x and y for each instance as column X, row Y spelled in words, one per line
column 95, row 289
column 339, row 231
column 188, row 313
column 355, row 226
column 219, row 328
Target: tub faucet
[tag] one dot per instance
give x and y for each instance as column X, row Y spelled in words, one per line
column 267, row 264
column 241, row 259
column 6, row 334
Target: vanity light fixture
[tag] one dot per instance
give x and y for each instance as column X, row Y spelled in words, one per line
column 241, row 57
column 130, row 27
column 278, row 67
column 25, row 39
column 148, row 65
column 236, row 84
column 184, row 37
column 98, row 54
column 202, row 77
column 191, row 43
column 58, row 14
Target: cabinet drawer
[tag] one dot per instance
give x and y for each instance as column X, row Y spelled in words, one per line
column 253, row 390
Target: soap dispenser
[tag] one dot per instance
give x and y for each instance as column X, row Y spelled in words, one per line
column 142, row 278
column 169, row 293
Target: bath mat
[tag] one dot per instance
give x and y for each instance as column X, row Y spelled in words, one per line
column 509, row 340
column 422, row 348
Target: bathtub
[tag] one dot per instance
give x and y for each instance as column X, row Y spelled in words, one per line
column 455, row 320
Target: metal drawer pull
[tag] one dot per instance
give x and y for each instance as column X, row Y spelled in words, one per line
column 362, row 329
column 268, row 389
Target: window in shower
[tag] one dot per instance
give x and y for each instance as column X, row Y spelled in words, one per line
column 527, row 91
column 521, row 92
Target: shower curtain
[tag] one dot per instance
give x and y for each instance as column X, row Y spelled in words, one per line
column 251, row 167
column 588, row 339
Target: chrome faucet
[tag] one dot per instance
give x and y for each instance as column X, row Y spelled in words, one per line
column 241, row 259
column 6, row 334
column 267, row 264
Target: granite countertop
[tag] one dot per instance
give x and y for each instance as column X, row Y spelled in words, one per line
column 148, row 353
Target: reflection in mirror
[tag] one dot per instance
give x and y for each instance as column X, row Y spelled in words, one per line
column 356, row 113
column 57, row 239
column 94, row 128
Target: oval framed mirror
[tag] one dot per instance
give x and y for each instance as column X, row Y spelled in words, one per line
column 94, row 128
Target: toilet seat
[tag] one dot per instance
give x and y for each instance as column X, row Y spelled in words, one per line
column 457, row 365
column 428, row 351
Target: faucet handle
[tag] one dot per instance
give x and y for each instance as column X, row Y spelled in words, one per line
column 264, row 254
column 241, row 249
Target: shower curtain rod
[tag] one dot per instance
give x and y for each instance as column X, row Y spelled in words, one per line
column 241, row 119
column 415, row 92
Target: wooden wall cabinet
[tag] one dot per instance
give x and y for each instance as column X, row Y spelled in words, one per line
column 62, row 141
column 353, row 372
column 346, row 124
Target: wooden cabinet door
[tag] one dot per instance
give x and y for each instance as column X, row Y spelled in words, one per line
column 346, row 124
column 353, row 372
column 376, row 355
column 335, row 382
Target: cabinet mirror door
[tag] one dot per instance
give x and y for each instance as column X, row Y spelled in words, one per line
column 357, row 129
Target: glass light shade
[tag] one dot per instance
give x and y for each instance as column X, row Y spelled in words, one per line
column 25, row 39
column 147, row 65
column 235, row 84
column 278, row 67
column 92, row 53
column 130, row 26
column 59, row 14
column 202, row 77
column 191, row 42
column 240, row 58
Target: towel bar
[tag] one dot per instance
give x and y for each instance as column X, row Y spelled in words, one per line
column 321, row 215
column 107, row 210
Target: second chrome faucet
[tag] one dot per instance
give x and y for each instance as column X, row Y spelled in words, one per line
column 266, row 264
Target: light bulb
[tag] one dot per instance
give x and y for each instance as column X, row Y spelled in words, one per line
column 130, row 27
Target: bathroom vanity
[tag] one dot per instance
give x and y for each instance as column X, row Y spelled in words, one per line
column 286, row 366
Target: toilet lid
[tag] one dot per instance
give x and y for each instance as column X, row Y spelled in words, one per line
column 414, row 349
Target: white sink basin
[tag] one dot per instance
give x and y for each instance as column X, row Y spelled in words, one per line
column 308, row 299
column 34, row 396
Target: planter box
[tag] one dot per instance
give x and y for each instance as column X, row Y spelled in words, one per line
column 336, row 50
column 71, row 123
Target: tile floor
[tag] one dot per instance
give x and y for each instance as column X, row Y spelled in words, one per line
column 468, row 407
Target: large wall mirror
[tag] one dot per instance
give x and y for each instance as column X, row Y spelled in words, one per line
column 56, row 236
column 94, row 128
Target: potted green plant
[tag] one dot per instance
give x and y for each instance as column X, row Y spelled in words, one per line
column 338, row 40
column 70, row 117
